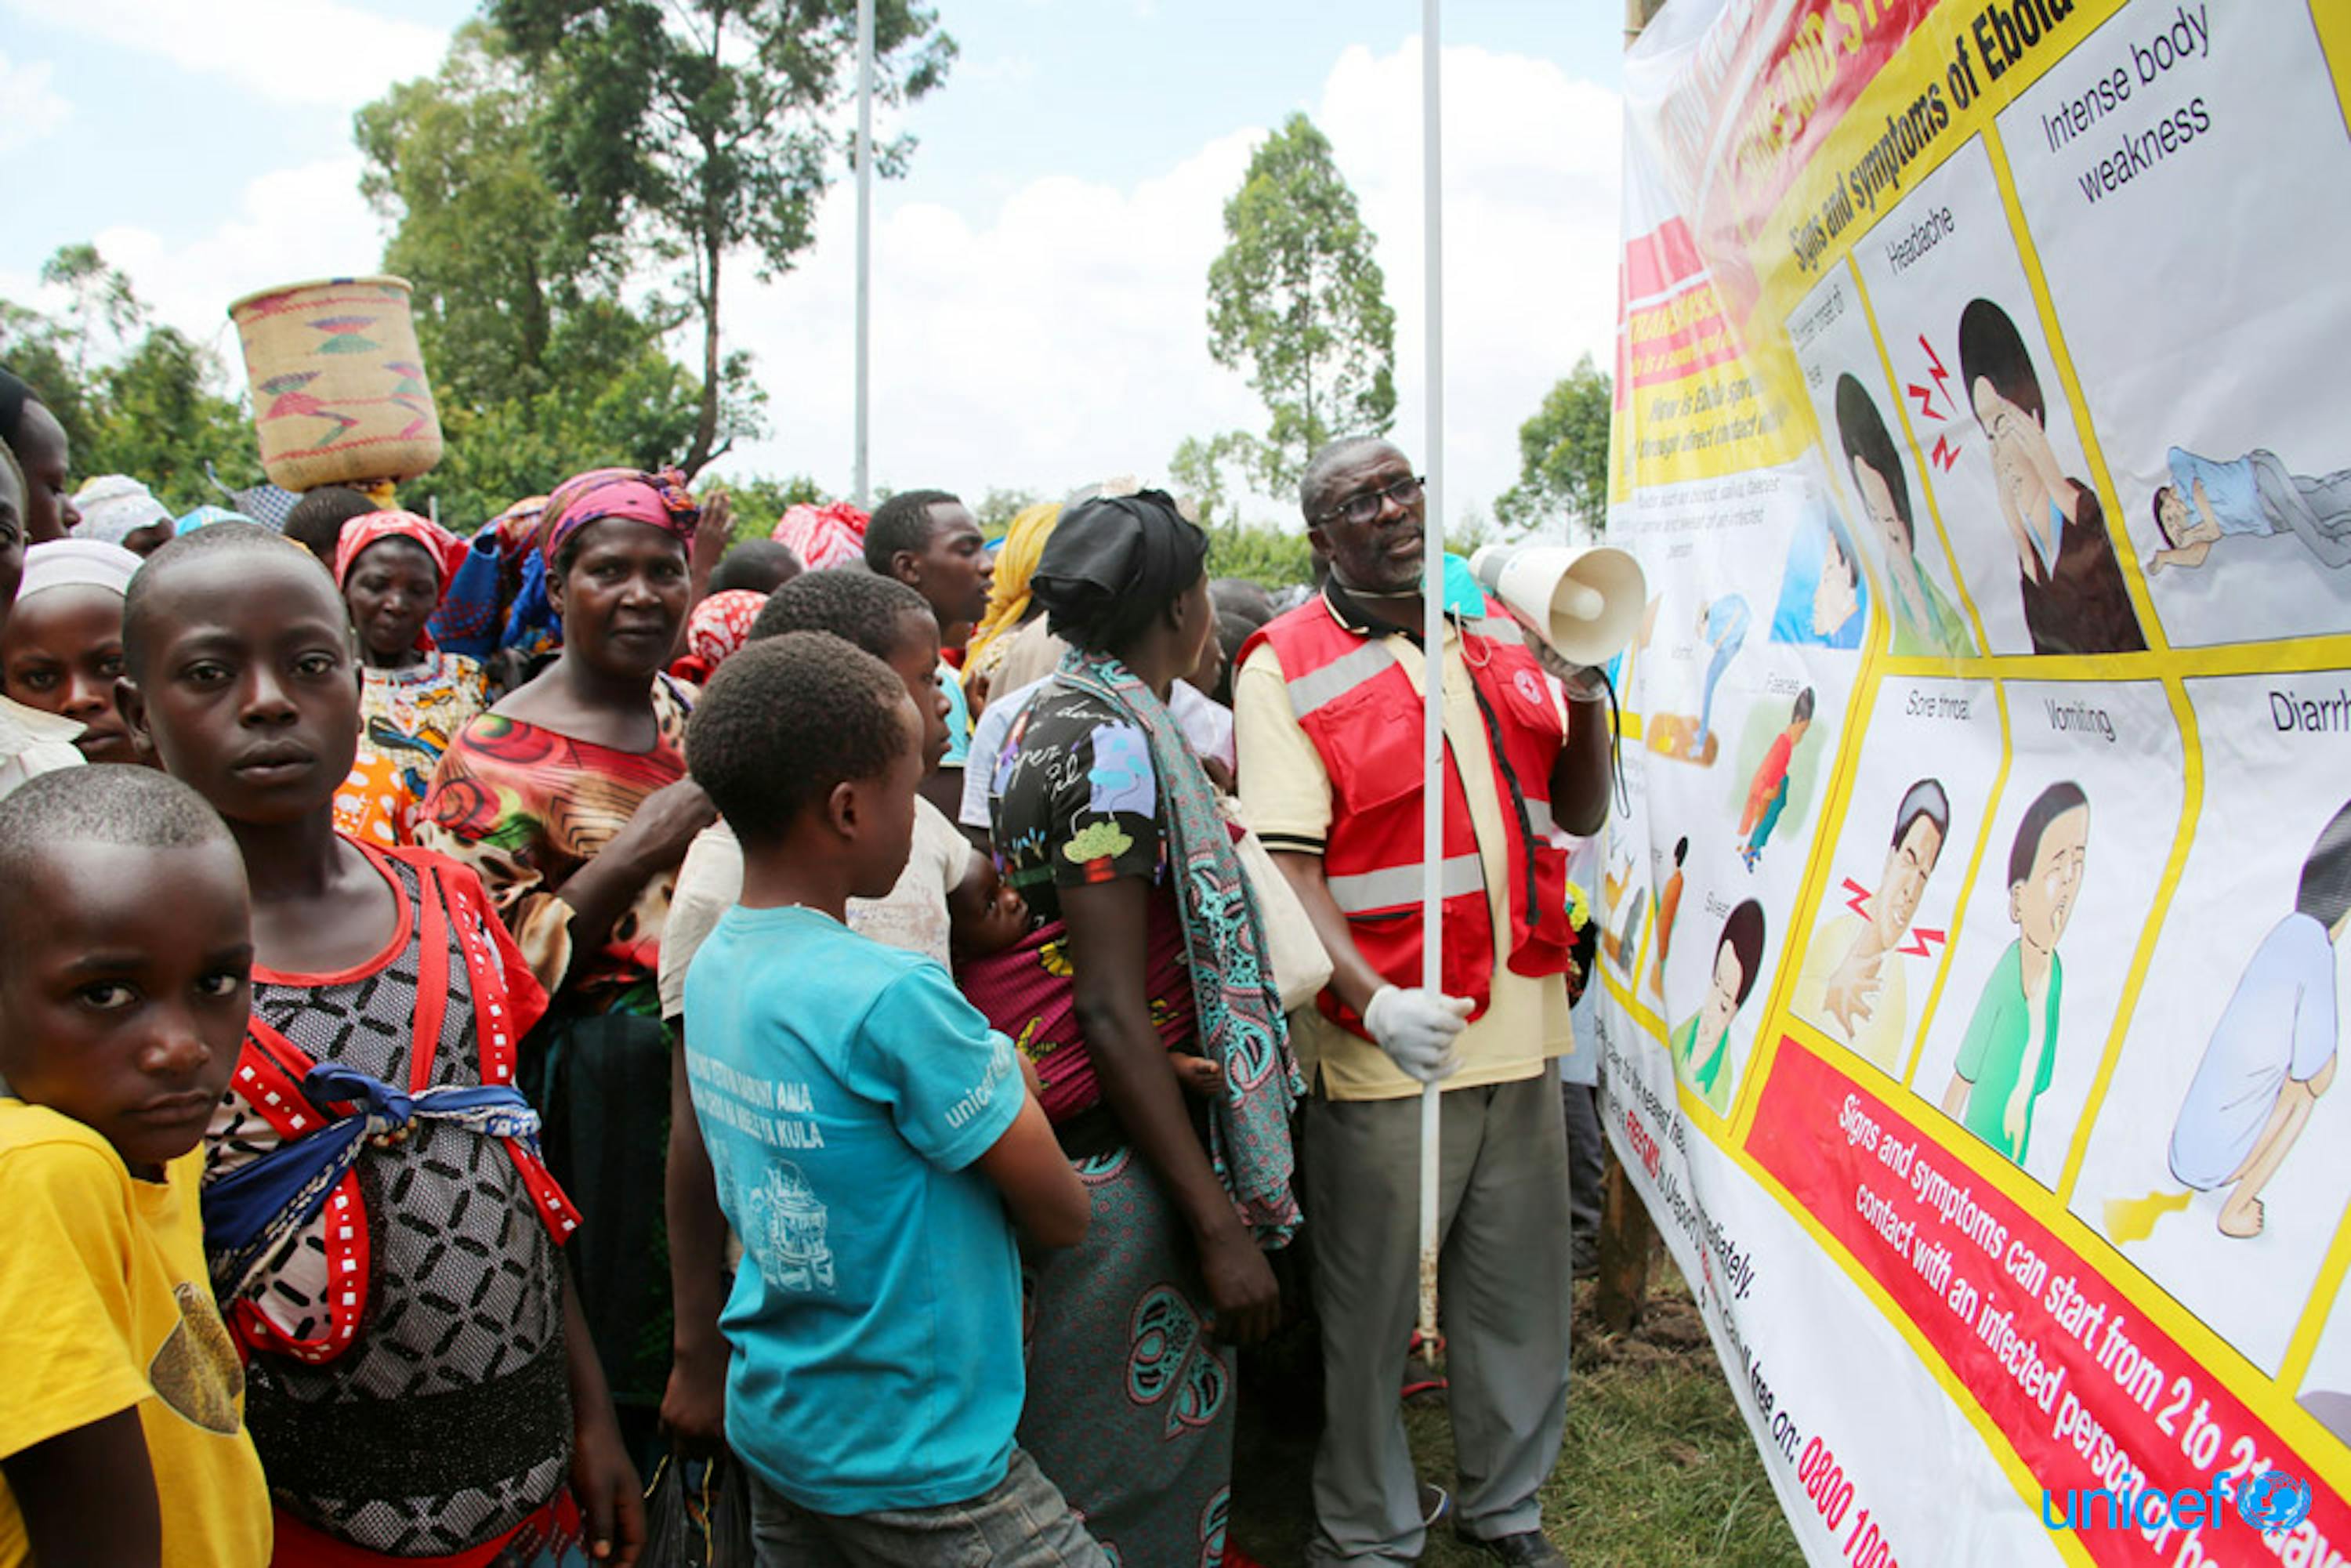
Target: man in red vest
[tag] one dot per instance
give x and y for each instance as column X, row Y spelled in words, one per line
column 1329, row 707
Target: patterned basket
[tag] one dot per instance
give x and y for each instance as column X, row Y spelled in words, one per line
column 339, row 389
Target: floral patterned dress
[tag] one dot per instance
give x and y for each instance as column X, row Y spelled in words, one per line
column 407, row 719
column 525, row 807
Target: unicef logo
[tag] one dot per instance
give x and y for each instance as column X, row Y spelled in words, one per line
column 2273, row 1501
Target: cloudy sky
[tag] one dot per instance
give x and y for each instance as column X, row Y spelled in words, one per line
column 1039, row 283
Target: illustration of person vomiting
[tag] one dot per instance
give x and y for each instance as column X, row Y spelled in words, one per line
column 1846, row 987
column 2075, row 601
column 2010, row 1053
column 1767, row 793
column 2208, row 501
column 1701, row 1047
column 2272, row 1055
column 1925, row 625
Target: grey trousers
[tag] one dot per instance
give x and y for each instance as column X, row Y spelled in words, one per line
column 1021, row 1522
column 1504, row 1302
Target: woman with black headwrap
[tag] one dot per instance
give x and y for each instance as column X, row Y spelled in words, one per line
column 38, row 441
column 1106, row 824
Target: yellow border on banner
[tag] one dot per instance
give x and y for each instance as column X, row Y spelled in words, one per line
column 2294, row 1366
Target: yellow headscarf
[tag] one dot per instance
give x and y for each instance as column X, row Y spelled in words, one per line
column 1008, row 596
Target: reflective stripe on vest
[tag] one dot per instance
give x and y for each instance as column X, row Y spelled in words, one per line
column 1394, row 886
column 1337, row 678
column 1498, row 629
column 1539, row 817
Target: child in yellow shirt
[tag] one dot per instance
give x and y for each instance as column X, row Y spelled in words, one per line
column 125, row 950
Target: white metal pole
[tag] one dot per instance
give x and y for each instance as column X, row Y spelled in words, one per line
column 1432, row 829
column 858, row 480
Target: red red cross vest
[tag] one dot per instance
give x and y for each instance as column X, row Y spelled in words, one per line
column 1362, row 714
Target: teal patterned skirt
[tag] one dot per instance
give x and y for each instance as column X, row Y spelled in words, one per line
column 1131, row 1405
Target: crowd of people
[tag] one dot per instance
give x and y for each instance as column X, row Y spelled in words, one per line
column 478, row 1014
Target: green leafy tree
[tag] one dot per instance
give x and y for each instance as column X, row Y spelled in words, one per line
column 688, row 131
column 1198, row 471
column 760, row 501
column 1297, row 299
column 538, row 368
column 1261, row 553
column 1564, row 457
column 148, row 404
column 995, row 510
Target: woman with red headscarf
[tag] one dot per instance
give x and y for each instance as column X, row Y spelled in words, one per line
column 570, row 798
column 392, row 569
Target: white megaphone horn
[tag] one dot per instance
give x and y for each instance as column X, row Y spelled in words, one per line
column 1585, row 603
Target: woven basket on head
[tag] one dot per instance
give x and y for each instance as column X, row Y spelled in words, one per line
column 339, row 389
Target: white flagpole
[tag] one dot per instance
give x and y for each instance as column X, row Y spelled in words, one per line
column 1432, row 897
column 864, row 237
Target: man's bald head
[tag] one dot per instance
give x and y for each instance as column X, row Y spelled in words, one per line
column 1328, row 461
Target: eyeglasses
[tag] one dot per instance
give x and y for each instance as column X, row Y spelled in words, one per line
column 1360, row 509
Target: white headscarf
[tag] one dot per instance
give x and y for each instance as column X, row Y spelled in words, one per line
column 77, row 561
column 113, row 506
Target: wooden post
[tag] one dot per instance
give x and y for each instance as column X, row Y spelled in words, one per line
column 1625, row 1238
column 1636, row 17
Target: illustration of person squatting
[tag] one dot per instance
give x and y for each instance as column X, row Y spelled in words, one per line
column 2272, row 1055
column 1846, row 987
column 1925, row 625
column 2075, row 601
column 2010, row 1052
column 1767, row 792
column 1701, row 1047
column 2208, row 501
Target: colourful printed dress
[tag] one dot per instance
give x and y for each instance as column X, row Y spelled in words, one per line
column 1130, row 1405
column 407, row 719
column 382, row 1236
column 526, row 808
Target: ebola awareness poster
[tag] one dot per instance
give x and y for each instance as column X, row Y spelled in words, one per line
column 1972, row 958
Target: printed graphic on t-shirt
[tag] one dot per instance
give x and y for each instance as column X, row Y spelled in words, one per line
column 196, row 1371
column 788, row 1232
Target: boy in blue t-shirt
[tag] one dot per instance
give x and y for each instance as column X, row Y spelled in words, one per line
column 868, row 1131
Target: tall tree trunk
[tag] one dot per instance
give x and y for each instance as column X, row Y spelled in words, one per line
column 705, row 423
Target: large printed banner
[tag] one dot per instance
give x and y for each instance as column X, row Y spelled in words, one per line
column 1971, row 942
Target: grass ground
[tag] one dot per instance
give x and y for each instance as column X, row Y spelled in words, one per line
column 1657, row 1469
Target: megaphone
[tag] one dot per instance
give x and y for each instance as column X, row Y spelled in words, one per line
column 1585, row 603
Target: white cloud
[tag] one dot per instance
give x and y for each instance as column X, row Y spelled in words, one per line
column 289, row 226
column 1064, row 338
column 34, row 110
column 288, row 51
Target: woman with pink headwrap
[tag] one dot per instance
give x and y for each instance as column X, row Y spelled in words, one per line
column 570, row 798
column 393, row 569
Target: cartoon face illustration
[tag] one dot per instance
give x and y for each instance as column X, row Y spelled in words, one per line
column 1908, row 867
column 1723, row 993
column 2170, row 514
column 2043, row 902
column 2020, row 448
column 1877, row 500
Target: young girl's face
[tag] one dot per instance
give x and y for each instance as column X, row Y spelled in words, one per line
column 61, row 652
column 247, row 686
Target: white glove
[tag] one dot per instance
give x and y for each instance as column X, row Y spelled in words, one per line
column 1418, row 1029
